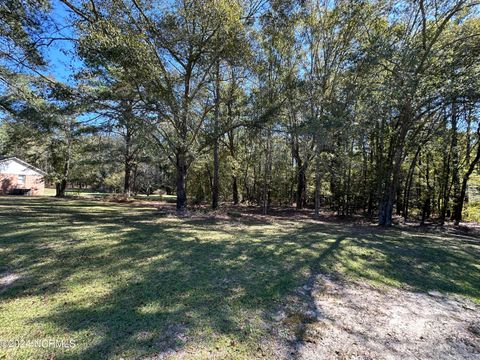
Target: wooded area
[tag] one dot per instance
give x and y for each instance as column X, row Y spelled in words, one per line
column 355, row 107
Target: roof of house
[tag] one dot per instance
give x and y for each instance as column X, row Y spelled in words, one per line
column 23, row 163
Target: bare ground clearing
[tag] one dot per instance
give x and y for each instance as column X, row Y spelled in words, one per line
column 330, row 318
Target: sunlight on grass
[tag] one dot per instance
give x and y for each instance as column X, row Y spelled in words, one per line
column 92, row 194
column 124, row 282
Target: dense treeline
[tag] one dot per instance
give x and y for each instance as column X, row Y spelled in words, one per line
column 368, row 107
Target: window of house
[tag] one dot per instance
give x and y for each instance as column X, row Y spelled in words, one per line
column 21, row 179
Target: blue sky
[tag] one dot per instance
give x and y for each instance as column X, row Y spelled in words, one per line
column 61, row 53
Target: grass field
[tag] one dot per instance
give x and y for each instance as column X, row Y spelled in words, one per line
column 88, row 194
column 125, row 282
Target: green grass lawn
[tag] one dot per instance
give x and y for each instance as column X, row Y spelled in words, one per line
column 83, row 193
column 91, row 194
column 119, row 280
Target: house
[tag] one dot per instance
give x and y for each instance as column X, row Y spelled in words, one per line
column 19, row 178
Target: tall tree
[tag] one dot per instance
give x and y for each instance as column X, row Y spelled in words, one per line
column 170, row 53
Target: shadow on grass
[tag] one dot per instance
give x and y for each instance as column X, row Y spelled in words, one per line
column 162, row 281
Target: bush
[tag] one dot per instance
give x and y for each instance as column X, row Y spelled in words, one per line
column 472, row 212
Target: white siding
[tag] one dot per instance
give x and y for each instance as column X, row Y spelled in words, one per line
column 11, row 166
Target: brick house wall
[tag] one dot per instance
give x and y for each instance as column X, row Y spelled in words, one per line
column 36, row 183
column 9, row 182
column 17, row 174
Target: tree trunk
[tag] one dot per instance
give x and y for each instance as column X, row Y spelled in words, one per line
column 461, row 198
column 348, row 207
column 301, row 187
column 60, row 188
column 317, row 185
column 127, row 180
column 216, row 178
column 376, row 167
column 371, row 200
column 455, row 161
column 386, row 210
column 386, row 205
column 181, row 150
column 427, row 205
column 235, row 195
column 235, row 190
column 181, row 167
column 134, row 183
column 301, row 168
column 267, row 174
column 445, row 196
column 127, row 123
column 408, row 184
column 392, row 177
column 127, row 184
column 231, row 145
column 426, row 209
column 216, row 161
column 62, row 185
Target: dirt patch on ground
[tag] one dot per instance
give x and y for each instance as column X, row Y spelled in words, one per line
column 330, row 318
column 7, row 279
